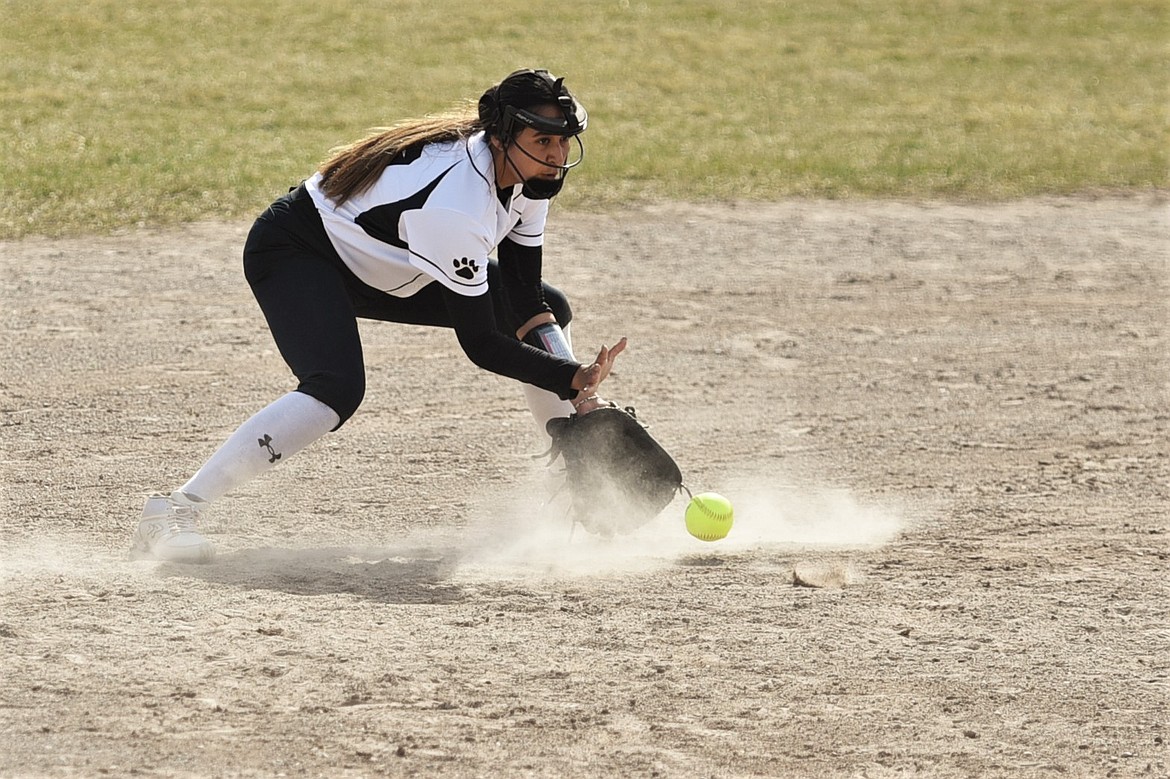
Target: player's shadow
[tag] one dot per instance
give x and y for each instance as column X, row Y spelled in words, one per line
column 413, row 575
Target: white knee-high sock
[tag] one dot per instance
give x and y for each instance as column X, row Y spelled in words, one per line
column 271, row 436
column 545, row 405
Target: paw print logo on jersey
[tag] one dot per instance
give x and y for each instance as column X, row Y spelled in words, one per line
column 465, row 268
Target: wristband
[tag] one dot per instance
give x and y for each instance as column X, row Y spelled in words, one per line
column 551, row 339
column 578, row 403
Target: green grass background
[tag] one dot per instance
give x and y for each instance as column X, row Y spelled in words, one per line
column 120, row 112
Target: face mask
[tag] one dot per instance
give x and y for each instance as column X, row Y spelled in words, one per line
column 542, row 189
column 499, row 113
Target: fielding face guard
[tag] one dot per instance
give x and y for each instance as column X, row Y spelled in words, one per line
column 507, row 108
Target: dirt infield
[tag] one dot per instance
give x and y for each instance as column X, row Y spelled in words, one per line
column 944, row 429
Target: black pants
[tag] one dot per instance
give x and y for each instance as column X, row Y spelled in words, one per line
column 312, row 300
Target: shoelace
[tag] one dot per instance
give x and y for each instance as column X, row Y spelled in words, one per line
column 181, row 519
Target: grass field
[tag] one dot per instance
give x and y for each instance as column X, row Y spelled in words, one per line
column 118, row 112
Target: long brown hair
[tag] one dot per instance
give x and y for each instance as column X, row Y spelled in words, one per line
column 353, row 168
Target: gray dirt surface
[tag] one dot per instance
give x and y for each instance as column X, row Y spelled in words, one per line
column 944, row 428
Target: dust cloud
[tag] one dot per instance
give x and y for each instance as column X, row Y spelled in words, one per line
column 523, row 535
column 523, row 532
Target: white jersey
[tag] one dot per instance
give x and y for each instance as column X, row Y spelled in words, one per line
column 433, row 215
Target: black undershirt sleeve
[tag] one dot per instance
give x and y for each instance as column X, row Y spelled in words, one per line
column 520, row 269
column 474, row 321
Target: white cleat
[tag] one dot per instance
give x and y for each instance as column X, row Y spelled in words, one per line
column 167, row 531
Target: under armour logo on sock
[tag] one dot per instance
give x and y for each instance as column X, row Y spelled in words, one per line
column 266, row 442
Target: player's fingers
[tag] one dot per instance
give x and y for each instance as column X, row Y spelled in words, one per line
column 611, row 355
column 596, row 372
column 603, row 364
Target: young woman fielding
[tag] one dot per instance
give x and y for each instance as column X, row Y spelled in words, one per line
column 399, row 227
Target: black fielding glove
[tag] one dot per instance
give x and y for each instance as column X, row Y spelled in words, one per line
column 618, row 476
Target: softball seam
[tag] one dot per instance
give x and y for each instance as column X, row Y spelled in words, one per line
column 713, row 516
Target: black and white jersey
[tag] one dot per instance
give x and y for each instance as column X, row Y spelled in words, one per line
column 434, row 215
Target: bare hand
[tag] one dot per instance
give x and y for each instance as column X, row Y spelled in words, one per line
column 590, row 377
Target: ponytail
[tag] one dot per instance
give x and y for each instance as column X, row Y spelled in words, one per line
column 352, row 169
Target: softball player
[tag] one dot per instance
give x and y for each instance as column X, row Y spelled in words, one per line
column 399, row 227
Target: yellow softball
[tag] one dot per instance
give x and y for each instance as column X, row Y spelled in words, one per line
column 709, row 516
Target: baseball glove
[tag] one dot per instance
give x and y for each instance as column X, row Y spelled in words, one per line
column 617, row 475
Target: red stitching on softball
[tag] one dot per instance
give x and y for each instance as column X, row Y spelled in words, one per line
column 710, row 515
